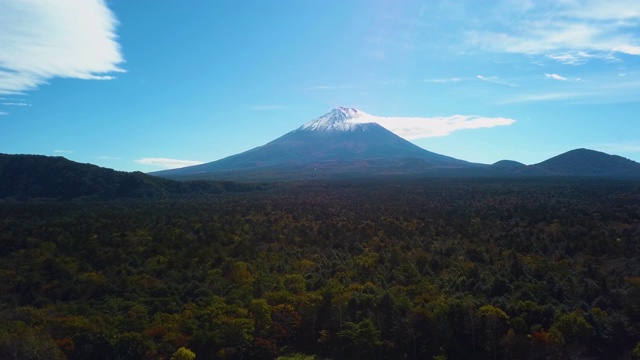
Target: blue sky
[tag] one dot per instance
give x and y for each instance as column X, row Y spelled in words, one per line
column 148, row 85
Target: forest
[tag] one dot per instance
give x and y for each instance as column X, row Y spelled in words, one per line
column 437, row 268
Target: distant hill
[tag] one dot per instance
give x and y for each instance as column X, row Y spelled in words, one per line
column 26, row 177
column 508, row 164
column 585, row 162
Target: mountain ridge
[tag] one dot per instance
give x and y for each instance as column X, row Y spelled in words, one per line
column 39, row 177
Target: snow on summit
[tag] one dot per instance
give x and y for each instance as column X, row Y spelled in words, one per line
column 339, row 119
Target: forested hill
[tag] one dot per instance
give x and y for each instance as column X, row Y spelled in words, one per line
column 585, row 162
column 27, row 177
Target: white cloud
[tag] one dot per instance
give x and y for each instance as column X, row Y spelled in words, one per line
column 556, row 77
column 167, row 163
column 443, row 80
column 418, row 127
column 41, row 40
column 571, row 32
column 545, row 96
column 606, row 10
column 15, row 104
column 581, row 57
column 494, row 80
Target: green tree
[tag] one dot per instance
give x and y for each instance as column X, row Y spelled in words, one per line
column 260, row 311
column 495, row 322
column 573, row 327
column 363, row 336
column 183, row 354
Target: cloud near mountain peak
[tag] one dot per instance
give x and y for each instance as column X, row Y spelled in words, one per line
column 423, row 127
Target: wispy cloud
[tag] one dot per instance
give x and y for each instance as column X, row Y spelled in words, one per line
column 42, row 40
column 423, row 127
column 494, row 80
column 487, row 78
column 15, row 104
column 581, row 57
column 167, row 163
column 537, row 97
column 600, row 90
column 444, row 80
column 3, row 113
column 571, row 32
column 556, row 77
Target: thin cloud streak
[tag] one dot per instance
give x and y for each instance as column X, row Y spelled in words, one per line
column 412, row 128
column 167, row 163
column 556, row 77
column 15, row 104
column 443, row 81
column 523, row 98
column 42, row 40
column 592, row 91
column 494, row 80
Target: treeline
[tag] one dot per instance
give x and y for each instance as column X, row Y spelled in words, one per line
column 438, row 268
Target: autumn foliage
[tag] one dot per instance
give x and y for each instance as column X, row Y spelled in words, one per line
column 411, row 268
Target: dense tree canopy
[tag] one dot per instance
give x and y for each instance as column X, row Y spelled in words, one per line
column 436, row 268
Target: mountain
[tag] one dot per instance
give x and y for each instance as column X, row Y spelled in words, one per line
column 27, row 177
column 343, row 142
column 585, row 162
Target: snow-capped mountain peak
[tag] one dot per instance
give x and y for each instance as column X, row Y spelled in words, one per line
column 339, row 119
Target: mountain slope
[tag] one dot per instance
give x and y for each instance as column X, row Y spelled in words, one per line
column 25, row 177
column 341, row 139
column 585, row 162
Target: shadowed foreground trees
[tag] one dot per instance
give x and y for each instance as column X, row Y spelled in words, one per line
column 456, row 268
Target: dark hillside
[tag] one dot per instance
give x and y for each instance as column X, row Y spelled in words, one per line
column 25, row 177
column 585, row 162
